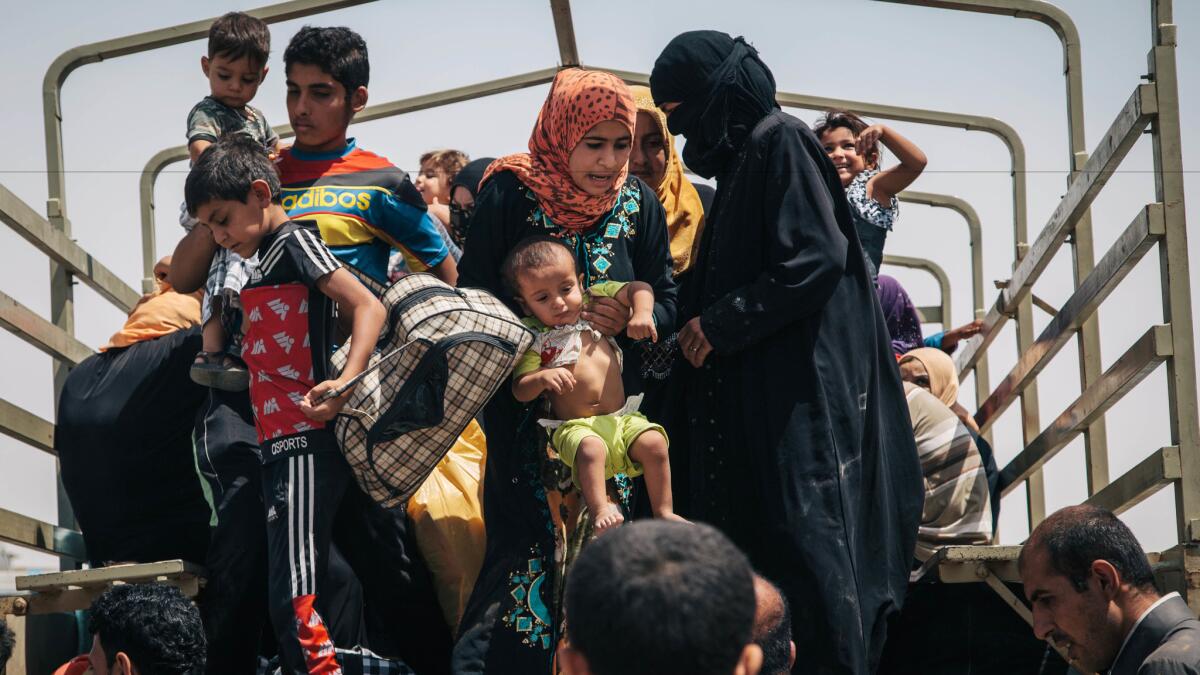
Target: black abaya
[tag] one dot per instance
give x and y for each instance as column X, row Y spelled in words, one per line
column 794, row 438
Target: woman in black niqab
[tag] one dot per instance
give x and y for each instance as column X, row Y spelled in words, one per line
column 462, row 202
column 723, row 89
column 789, row 425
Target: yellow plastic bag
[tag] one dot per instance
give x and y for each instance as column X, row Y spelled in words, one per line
column 446, row 514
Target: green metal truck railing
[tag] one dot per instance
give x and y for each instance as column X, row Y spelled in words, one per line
column 1095, row 437
column 975, row 241
column 1160, row 224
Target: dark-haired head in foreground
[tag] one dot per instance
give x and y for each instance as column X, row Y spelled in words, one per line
column 773, row 628
column 147, row 629
column 660, row 598
column 1088, row 581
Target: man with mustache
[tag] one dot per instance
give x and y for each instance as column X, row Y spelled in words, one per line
column 1092, row 592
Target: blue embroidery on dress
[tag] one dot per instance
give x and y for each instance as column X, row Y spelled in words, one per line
column 529, row 614
column 594, row 251
column 624, row 490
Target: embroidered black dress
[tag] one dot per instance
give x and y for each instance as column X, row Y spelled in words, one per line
column 794, row 437
column 509, row 624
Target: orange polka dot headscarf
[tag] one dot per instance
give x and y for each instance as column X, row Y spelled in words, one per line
column 579, row 100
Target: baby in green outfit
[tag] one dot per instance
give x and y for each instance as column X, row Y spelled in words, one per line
column 598, row 433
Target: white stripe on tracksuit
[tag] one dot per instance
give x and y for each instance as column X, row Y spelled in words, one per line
column 316, row 250
column 301, row 545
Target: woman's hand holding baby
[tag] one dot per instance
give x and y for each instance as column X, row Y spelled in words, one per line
column 606, row 315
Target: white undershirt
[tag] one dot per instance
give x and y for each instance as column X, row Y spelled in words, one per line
column 1139, row 622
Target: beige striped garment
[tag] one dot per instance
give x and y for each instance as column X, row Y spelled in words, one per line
column 957, row 505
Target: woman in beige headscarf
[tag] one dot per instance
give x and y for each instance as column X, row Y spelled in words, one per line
column 934, row 370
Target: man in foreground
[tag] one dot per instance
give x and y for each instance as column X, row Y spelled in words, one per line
column 1093, row 594
column 145, row 629
column 660, row 598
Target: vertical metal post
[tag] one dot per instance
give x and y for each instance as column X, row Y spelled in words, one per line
column 1176, row 275
column 1031, row 425
column 62, row 292
column 564, row 30
column 1095, row 437
column 62, row 296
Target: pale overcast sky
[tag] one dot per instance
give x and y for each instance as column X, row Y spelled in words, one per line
column 118, row 113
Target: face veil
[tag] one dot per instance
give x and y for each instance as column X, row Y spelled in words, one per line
column 723, row 89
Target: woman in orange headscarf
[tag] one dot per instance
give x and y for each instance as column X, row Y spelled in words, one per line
column 573, row 184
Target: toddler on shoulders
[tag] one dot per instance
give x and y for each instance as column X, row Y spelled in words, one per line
column 238, row 46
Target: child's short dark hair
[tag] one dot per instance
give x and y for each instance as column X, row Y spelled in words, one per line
column 531, row 253
column 336, row 50
column 225, row 171
column 844, row 119
column 238, row 34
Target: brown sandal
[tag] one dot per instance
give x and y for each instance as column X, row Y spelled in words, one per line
column 219, row 370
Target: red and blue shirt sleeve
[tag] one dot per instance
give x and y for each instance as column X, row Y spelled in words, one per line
column 409, row 227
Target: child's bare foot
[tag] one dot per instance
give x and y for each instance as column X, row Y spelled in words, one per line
column 609, row 516
column 670, row 515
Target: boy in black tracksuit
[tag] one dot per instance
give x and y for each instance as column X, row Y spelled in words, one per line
column 289, row 308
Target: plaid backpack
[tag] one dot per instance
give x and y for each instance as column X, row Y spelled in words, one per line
column 442, row 354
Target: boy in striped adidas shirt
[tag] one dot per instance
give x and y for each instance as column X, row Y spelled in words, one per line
column 289, row 307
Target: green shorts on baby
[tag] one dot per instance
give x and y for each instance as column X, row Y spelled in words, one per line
column 618, row 431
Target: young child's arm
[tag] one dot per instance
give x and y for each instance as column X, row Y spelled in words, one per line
column 192, row 257
column 892, row 180
column 531, row 385
column 366, row 316
column 196, row 147
column 640, row 296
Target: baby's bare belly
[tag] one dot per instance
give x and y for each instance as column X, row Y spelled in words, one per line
column 598, row 388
